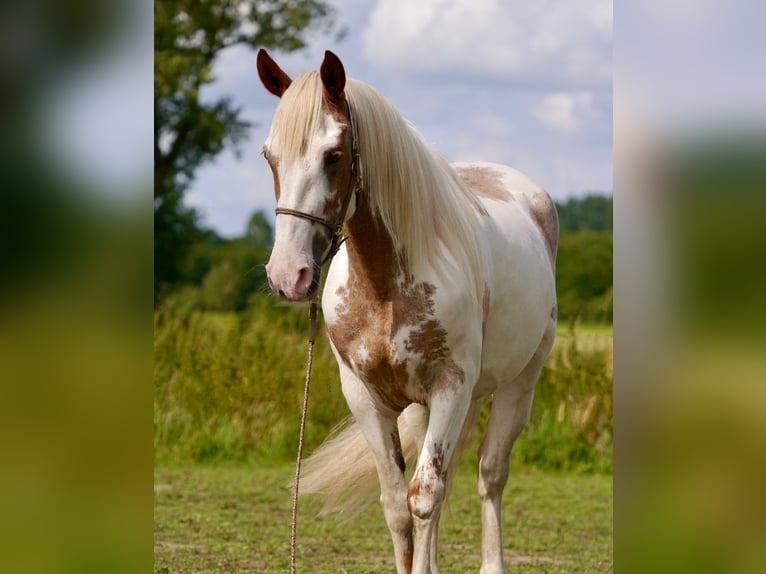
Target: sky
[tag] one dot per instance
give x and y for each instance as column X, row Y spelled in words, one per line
column 527, row 84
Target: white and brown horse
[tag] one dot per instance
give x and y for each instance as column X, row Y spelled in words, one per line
column 441, row 296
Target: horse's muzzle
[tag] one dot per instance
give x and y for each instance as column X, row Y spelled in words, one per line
column 294, row 284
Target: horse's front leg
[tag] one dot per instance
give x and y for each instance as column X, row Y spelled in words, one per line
column 449, row 407
column 381, row 431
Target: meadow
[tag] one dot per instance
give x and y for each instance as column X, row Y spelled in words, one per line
column 228, row 393
column 235, row 519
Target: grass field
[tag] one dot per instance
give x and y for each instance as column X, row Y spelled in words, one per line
column 236, row 519
column 228, row 389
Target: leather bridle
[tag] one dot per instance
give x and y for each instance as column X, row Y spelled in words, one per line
column 357, row 185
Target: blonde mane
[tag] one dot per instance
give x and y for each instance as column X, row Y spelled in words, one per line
column 431, row 215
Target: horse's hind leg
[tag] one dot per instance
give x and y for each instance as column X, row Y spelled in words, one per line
column 511, row 406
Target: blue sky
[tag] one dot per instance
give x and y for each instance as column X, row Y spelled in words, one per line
column 522, row 83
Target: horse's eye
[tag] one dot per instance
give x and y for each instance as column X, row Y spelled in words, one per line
column 332, row 157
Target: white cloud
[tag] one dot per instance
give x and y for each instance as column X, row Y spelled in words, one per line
column 564, row 112
column 486, row 137
column 490, row 52
column 563, row 42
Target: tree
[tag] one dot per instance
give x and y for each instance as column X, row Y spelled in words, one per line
column 188, row 36
column 590, row 212
column 221, row 287
column 259, row 229
column 584, row 275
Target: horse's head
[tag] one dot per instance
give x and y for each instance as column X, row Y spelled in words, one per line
column 310, row 151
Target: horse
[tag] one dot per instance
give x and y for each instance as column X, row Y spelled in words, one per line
column 439, row 297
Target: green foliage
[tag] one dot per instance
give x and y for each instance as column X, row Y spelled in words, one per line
column 240, row 260
column 590, row 212
column 570, row 428
column 584, row 261
column 188, row 130
column 584, row 276
column 228, row 386
column 221, row 287
column 258, row 230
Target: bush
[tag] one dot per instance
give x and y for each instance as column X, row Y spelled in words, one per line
column 229, row 386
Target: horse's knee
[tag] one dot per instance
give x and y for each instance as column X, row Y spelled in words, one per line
column 425, row 495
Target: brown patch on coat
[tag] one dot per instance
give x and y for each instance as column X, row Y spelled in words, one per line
column 407, row 557
column 365, row 313
column 273, row 164
column 485, row 182
column 438, row 460
column 543, row 211
column 434, row 467
column 379, row 300
column 413, row 490
column 398, row 456
column 427, row 337
column 339, row 173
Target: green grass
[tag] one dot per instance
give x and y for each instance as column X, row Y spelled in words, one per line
column 229, row 387
column 236, row 519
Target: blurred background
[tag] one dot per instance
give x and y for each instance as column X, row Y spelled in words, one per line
column 75, row 286
column 109, row 365
column 690, row 367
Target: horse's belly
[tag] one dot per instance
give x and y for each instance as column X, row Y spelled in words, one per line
column 522, row 300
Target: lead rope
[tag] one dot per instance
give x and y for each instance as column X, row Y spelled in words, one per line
column 337, row 240
column 312, row 337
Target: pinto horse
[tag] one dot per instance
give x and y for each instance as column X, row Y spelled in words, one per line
column 441, row 296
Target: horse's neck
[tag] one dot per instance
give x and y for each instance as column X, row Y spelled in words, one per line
column 373, row 262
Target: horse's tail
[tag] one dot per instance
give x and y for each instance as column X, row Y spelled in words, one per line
column 343, row 471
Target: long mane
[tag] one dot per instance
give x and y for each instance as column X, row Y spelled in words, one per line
column 431, row 215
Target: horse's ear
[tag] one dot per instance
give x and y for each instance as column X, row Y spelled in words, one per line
column 333, row 77
column 272, row 76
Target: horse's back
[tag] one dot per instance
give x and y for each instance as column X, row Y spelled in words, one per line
column 521, row 231
column 498, row 184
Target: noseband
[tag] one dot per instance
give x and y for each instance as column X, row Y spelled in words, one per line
column 357, row 184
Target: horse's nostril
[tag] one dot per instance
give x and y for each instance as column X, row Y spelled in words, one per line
column 305, row 277
column 281, row 293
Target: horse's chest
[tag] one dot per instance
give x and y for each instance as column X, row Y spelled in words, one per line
column 395, row 346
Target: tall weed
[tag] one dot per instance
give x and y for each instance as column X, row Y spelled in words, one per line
column 570, row 427
column 229, row 386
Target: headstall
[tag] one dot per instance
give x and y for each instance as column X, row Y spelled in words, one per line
column 336, row 228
